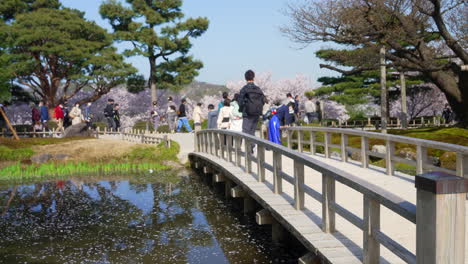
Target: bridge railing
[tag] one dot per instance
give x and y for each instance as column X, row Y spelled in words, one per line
column 137, row 136
column 231, row 146
column 296, row 136
column 428, row 121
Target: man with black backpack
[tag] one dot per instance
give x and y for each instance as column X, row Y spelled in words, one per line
column 251, row 101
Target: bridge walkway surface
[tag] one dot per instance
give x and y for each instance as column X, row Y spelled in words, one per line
column 345, row 245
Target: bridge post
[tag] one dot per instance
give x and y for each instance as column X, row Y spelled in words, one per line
column 440, row 218
column 210, row 138
column 344, row 143
column 238, row 151
column 327, row 144
column 248, row 156
column 298, row 185
column 462, row 165
column 421, row 159
column 216, row 143
column 289, row 138
column 364, row 149
column 277, row 179
column 261, row 163
column 222, row 143
column 300, row 140
column 328, row 202
column 195, row 142
column 312, row 142
column 229, row 147
column 371, row 248
column 390, row 147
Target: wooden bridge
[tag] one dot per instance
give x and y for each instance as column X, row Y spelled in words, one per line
column 344, row 211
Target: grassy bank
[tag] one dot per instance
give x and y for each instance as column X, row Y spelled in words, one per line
column 83, row 156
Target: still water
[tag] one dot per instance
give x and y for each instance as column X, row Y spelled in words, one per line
column 124, row 221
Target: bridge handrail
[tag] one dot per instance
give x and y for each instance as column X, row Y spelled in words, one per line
column 422, row 145
column 211, row 142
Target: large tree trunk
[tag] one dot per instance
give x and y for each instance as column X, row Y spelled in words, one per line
column 404, row 107
column 384, row 91
column 152, row 79
column 455, row 92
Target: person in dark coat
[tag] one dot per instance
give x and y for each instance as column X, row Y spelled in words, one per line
column 44, row 114
column 251, row 101
column 109, row 114
column 67, row 121
column 212, row 117
column 36, row 115
column 117, row 116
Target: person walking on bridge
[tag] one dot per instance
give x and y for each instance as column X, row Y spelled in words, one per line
column 182, row 114
column 251, row 101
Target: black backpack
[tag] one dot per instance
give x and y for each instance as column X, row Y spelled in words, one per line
column 254, row 101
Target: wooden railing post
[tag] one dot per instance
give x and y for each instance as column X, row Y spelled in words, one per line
column 248, row 156
column 277, row 169
column 300, row 140
column 238, row 151
column 289, row 138
column 217, row 144
column 371, row 247
column 390, row 152
column 210, row 139
column 312, row 142
column 229, row 148
column 344, row 144
column 364, row 149
column 327, row 140
column 440, row 218
column 328, row 201
column 462, row 165
column 222, row 143
column 195, row 142
column 421, row 159
column 298, row 185
column 261, row 163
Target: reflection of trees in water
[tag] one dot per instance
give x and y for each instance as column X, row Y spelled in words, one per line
column 67, row 221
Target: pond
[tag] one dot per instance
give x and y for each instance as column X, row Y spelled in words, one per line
column 125, row 220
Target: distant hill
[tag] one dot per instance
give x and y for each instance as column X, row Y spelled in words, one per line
column 197, row 90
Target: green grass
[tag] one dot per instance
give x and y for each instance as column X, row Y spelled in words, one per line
column 403, row 167
column 153, row 153
column 40, row 171
column 139, row 159
column 29, row 142
column 8, row 154
column 14, row 150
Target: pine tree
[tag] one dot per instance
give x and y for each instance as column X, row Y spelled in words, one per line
column 55, row 52
column 157, row 31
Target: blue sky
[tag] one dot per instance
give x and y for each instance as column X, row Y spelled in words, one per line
column 243, row 34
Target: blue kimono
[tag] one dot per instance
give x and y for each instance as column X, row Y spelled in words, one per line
column 274, row 133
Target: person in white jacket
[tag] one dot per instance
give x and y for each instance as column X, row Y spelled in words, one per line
column 76, row 115
column 236, row 122
column 225, row 116
column 197, row 116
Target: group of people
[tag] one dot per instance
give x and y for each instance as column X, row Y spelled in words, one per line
column 63, row 115
column 176, row 118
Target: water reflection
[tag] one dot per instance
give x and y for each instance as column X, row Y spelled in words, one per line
column 121, row 222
